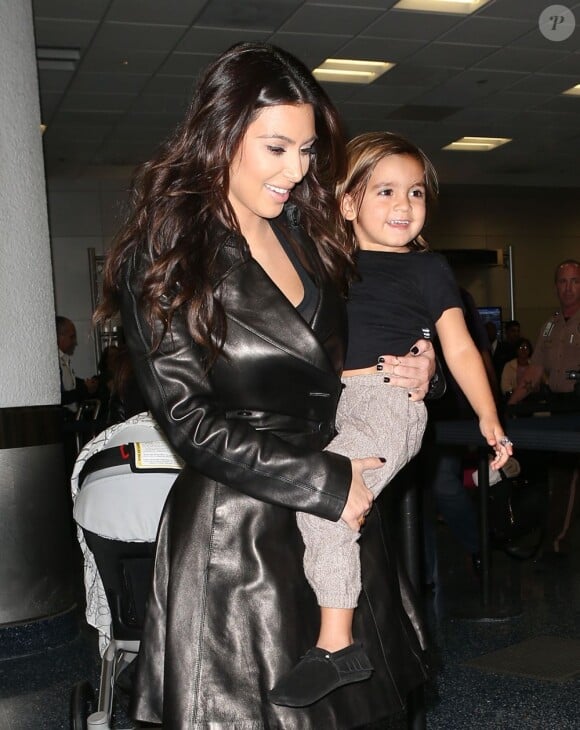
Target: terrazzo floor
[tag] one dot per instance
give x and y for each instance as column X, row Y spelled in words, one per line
column 540, row 598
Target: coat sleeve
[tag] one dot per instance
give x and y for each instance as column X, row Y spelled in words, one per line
column 184, row 403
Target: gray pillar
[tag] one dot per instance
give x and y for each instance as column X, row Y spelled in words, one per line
column 35, row 531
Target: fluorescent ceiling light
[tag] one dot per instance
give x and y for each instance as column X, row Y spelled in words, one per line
column 574, row 91
column 459, row 7
column 351, row 72
column 57, row 59
column 477, row 144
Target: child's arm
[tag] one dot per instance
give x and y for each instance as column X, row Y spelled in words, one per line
column 466, row 366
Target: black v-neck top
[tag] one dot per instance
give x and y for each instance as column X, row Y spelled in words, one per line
column 307, row 306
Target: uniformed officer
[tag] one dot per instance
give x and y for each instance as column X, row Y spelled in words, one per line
column 557, row 353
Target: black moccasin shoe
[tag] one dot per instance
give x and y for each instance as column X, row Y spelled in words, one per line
column 320, row 672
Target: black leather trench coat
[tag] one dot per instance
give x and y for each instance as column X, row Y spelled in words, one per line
column 230, row 609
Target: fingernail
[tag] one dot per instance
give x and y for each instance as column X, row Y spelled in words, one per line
column 381, row 359
column 382, row 458
column 379, row 367
column 386, row 379
column 408, row 395
column 415, row 350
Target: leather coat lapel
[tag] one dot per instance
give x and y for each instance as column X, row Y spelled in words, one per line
column 252, row 300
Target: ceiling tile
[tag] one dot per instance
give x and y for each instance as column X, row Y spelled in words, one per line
column 107, row 83
column 199, row 39
column 48, row 103
column 386, row 95
column 54, row 81
column 510, row 100
column 376, row 112
column 318, row 47
column 314, row 18
column 516, row 9
column 418, row 113
column 113, row 116
column 403, row 24
column 166, row 84
column 544, row 84
column 186, row 64
column 64, row 33
column 487, row 31
column 98, row 102
column 126, row 61
column 249, row 14
column 172, row 12
column 409, row 74
column 70, row 9
column 379, row 49
column 169, row 103
column 520, row 59
column 450, row 55
column 469, row 86
column 373, row 4
column 570, row 65
column 116, row 37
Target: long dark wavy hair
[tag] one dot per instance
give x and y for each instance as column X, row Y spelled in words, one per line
column 180, row 193
column 363, row 155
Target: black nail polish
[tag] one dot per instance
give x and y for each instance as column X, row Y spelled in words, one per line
column 415, row 350
column 382, row 458
column 408, row 395
column 379, row 367
column 381, row 359
column 386, row 379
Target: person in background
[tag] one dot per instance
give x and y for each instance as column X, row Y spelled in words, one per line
column 73, row 390
column 506, row 347
column 231, row 286
column 557, row 352
column 514, row 370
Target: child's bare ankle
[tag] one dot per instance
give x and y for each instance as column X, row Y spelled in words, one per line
column 334, row 643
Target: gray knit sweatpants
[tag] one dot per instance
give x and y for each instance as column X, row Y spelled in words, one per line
column 373, row 419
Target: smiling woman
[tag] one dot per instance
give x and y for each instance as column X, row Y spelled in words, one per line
column 273, row 157
column 231, row 288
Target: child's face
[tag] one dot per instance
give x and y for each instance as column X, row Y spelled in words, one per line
column 393, row 209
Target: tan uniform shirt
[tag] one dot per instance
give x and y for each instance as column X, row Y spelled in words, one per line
column 557, row 350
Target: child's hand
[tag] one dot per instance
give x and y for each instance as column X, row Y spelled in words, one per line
column 495, row 436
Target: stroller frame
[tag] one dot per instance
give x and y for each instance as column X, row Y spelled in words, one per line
column 125, row 570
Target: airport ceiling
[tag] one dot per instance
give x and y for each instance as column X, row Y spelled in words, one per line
column 116, row 75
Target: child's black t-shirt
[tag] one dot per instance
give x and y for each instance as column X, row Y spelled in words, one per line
column 398, row 299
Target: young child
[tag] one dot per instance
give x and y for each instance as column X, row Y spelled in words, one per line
column 404, row 292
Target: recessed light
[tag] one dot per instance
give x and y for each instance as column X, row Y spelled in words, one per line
column 477, row 144
column 459, row 7
column 57, row 59
column 574, row 91
column 348, row 71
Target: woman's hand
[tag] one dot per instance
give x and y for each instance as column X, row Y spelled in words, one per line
column 412, row 371
column 360, row 498
column 493, row 433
